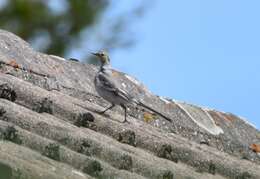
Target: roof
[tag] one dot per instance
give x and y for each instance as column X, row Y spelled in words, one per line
column 50, row 127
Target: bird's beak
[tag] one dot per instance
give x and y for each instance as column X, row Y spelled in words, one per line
column 96, row 54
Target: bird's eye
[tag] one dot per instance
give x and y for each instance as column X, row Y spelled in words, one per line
column 102, row 54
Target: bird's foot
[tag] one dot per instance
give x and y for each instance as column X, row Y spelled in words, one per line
column 126, row 121
column 102, row 113
column 99, row 112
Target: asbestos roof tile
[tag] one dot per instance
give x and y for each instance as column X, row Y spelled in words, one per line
column 50, row 127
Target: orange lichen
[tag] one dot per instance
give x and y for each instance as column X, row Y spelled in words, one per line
column 170, row 105
column 14, row 64
column 255, row 148
column 115, row 73
column 215, row 116
column 229, row 117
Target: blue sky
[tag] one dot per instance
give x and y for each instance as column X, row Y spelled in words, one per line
column 202, row 52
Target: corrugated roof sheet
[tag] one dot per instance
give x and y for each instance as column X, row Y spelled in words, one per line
column 50, row 128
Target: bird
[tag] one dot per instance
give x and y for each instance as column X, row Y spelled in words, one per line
column 109, row 88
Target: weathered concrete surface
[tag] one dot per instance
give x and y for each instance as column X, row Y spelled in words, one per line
column 48, row 115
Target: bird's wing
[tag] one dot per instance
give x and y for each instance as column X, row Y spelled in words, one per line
column 109, row 85
column 123, row 94
column 106, row 83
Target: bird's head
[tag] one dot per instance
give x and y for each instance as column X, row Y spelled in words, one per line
column 102, row 56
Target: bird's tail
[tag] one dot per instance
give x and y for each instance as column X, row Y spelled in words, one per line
column 153, row 110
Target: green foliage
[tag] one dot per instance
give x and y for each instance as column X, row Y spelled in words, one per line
column 32, row 19
column 60, row 27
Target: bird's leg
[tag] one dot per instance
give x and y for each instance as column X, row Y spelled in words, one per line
column 125, row 110
column 110, row 107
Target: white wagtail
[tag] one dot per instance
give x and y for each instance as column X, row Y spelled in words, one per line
column 109, row 89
